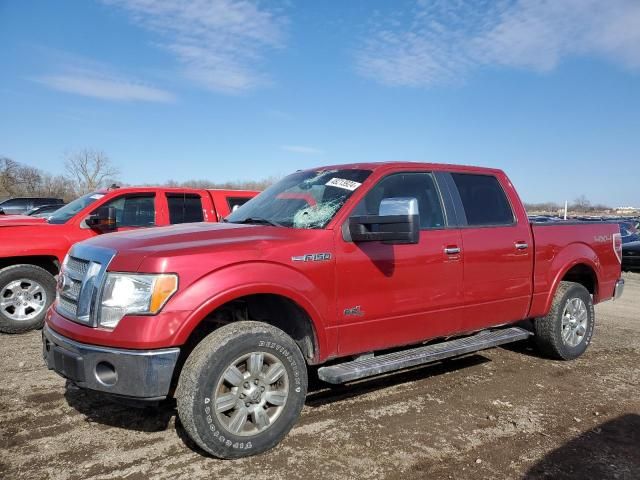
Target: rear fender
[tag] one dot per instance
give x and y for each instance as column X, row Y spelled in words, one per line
column 567, row 258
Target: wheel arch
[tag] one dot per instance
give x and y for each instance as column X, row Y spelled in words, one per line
column 582, row 271
column 277, row 306
column 50, row 263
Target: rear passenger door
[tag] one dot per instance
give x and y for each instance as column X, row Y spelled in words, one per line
column 497, row 250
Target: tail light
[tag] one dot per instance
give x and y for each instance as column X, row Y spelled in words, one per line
column 617, row 246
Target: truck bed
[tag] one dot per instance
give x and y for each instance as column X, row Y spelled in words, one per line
column 561, row 246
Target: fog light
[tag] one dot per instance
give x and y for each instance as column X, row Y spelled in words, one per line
column 106, row 374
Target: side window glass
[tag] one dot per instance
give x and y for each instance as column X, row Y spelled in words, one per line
column 236, row 202
column 420, row 186
column 184, row 208
column 134, row 210
column 483, row 199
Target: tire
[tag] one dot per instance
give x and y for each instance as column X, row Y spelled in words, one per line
column 208, row 379
column 566, row 331
column 31, row 284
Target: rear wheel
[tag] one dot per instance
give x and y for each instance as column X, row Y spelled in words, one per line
column 566, row 331
column 26, row 292
column 242, row 389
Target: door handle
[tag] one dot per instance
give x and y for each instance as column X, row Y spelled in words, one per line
column 521, row 245
column 452, row 250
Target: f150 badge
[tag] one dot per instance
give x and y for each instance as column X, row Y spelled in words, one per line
column 312, row 257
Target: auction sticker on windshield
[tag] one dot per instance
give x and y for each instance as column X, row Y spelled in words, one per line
column 343, row 183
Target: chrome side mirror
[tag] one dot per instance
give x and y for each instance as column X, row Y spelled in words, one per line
column 397, row 222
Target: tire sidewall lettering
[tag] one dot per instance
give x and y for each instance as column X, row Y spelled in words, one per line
column 207, row 410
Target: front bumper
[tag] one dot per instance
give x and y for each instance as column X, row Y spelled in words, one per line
column 140, row 374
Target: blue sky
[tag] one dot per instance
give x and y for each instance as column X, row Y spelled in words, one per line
column 547, row 90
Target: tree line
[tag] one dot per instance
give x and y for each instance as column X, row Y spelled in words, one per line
column 84, row 171
column 579, row 205
column 87, row 170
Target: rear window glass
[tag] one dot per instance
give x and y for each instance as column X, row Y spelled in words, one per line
column 185, row 208
column 483, row 199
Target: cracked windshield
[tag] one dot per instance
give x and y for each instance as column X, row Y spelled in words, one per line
column 308, row 199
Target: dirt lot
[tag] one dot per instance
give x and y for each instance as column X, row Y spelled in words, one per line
column 504, row 413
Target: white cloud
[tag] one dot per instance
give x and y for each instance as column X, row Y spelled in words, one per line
column 446, row 39
column 106, row 87
column 90, row 78
column 301, row 149
column 219, row 43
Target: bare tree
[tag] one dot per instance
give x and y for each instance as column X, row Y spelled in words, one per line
column 89, row 169
column 56, row 186
column 8, row 172
column 29, row 179
column 581, row 204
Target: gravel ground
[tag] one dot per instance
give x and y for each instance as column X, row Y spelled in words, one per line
column 501, row 414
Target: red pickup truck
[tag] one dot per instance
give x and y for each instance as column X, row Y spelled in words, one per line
column 32, row 249
column 363, row 269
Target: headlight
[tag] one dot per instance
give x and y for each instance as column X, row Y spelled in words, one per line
column 126, row 293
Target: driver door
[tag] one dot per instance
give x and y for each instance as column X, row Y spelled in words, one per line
column 391, row 295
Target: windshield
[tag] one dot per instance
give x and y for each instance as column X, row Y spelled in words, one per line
column 68, row 211
column 308, row 199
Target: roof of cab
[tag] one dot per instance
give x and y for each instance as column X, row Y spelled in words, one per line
column 408, row 165
column 105, row 191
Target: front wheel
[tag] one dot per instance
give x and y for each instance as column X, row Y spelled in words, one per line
column 26, row 292
column 566, row 331
column 242, row 389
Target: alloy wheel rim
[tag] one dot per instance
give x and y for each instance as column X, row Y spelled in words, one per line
column 23, row 299
column 574, row 322
column 251, row 394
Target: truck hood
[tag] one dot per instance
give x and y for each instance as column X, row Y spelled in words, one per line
column 187, row 238
column 198, row 245
column 20, row 221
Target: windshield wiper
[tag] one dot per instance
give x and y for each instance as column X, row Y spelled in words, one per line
column 260, row 221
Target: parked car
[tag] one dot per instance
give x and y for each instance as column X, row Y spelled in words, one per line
column 32, row 249
column 543, row 218
column 21, row 205
column 44, row 210
column 333, row 267
column 631, row 255
column 629, row 232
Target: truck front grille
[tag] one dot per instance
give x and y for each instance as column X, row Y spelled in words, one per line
column 80, row 283
column 69, row 286
column 77, row 266
column 68, row 308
